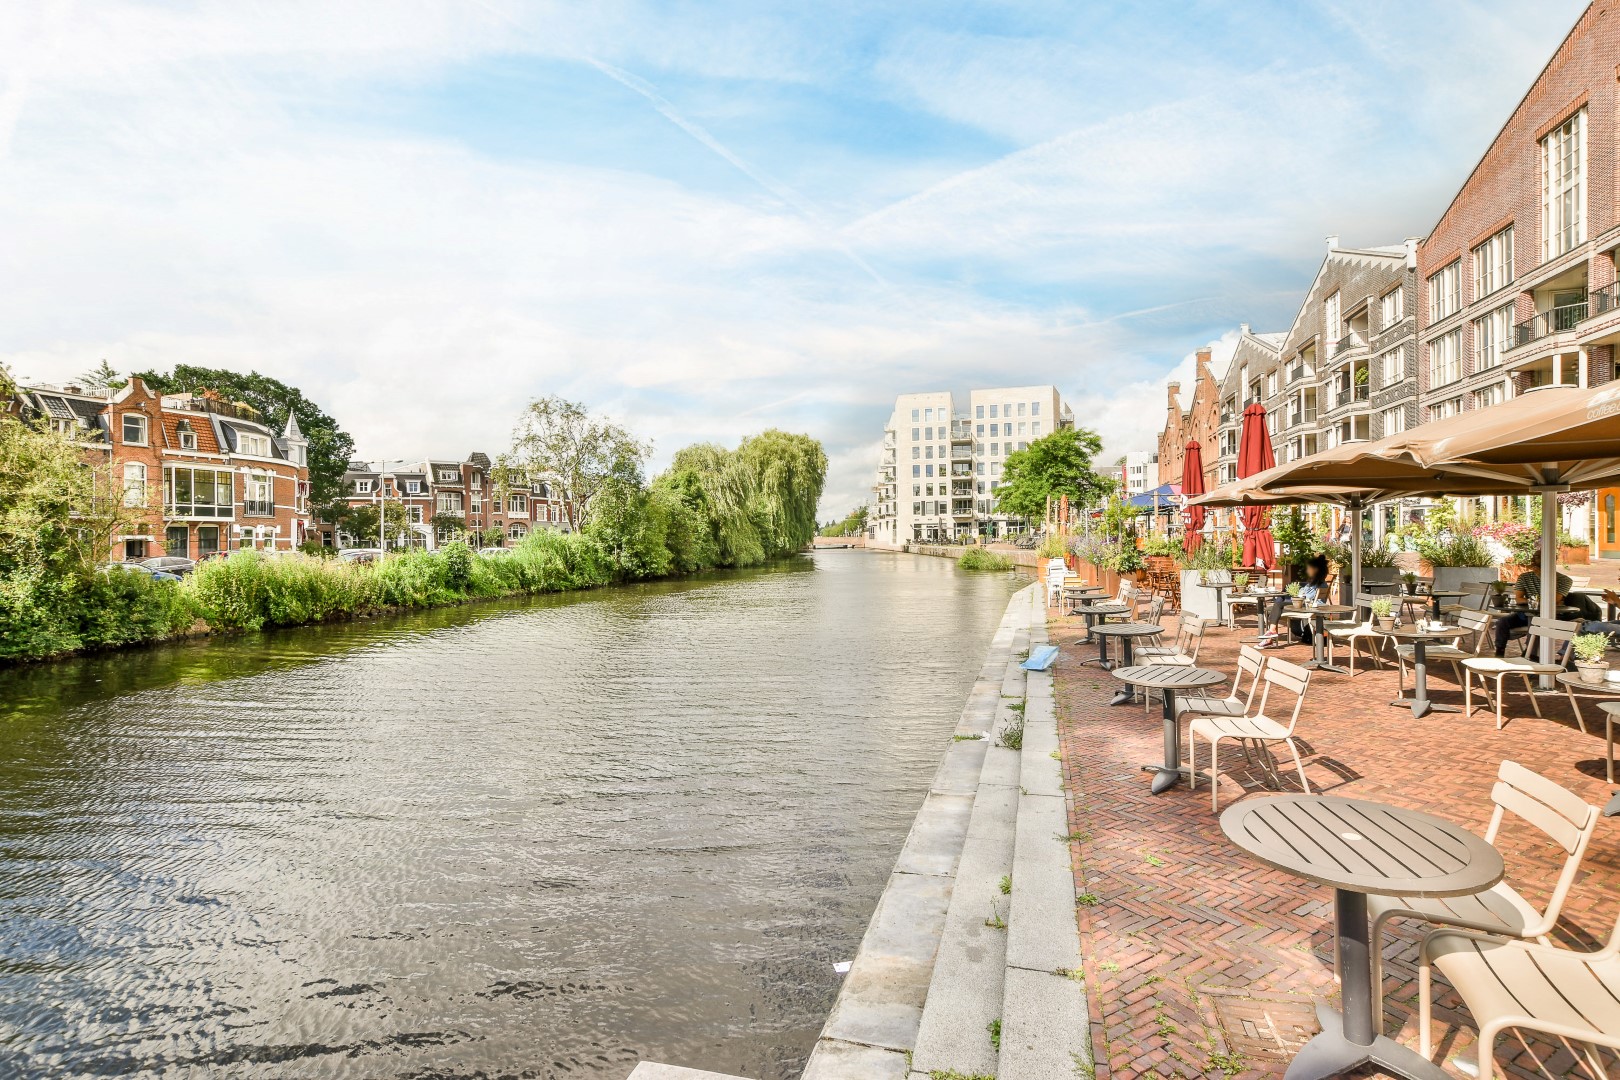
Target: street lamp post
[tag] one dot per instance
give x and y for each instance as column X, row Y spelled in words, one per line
column 382, row 514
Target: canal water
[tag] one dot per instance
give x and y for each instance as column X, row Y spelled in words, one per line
column 544, row 838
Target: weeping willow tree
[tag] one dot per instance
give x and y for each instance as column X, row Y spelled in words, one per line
column 758, row 501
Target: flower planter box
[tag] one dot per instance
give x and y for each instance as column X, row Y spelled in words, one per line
column 1576, row 556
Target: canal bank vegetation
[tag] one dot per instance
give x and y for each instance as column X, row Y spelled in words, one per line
column 984, row 559
column 713, row 508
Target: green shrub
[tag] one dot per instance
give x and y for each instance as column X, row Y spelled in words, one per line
column 1051, row 547
column 981, row 559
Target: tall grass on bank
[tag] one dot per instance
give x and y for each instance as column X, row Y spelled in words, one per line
column 980, row 559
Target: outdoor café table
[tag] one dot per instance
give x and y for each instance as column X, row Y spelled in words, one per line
column 1220, row 588
column 1092, row 613
column 1359, row 848
column 1167, row 679
column 1419, row 640
column 1575, row 684
column 1318, row 614
column 1126, row 632
column 1262, row 599
column 1597, row 598
column 1073, row 594
column 1435, row 595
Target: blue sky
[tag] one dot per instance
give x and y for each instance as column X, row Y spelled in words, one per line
column 711, row 218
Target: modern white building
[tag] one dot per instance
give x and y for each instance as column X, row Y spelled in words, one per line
column 1141, row 472
column 940, row 466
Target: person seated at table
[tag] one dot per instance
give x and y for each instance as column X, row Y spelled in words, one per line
column 1311, row 587
column 1587, row 614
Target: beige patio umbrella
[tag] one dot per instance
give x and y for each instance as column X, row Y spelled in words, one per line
column 1542, row 442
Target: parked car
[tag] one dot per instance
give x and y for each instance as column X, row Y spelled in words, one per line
column 494, row 552
column 137, row 568
column 360, row 555
column 170, row 564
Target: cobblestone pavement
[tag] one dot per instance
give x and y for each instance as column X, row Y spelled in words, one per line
column 1202, row 962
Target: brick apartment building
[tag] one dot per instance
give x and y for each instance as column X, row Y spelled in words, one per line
column 445, row 498
column 1514, row 289
column 212, row 476
column 1197, row 423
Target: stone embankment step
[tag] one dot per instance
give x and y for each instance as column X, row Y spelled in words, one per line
column 873, row 1030
column 1023, row 978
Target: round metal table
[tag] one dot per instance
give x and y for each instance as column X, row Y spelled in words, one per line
column 1419, row 640
column 1573, row 684
column 1093, row 612
column 1126, row 632
column 1262, row 598
column 1317, row 614
column 1358, row 848
column 1167, row 679
column 1070, row 595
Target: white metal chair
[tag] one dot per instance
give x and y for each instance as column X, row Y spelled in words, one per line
column 1356, row 632
column 1279, row 675
column 1509, row 984
column 1501, row 667
column 1471, row 624
column 1251, row 662
column 1475, row 596
column 1555, row 810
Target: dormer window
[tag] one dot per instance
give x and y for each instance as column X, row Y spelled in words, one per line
column 188, row 436
column 413, row 487
column 362, row 487
column 252, row 444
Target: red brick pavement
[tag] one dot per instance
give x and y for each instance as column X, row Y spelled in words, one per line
column 1200, row 961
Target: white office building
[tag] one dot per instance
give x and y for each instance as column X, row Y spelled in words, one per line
column 940, row 465
column 1141, row 472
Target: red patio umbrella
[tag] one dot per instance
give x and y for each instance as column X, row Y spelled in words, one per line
column 1192, row 483
column 1255, row 455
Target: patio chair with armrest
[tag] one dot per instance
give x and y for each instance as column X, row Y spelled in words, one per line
column 1476, row 595
column 1509, row 984
column 1501, row 667
column 1280, row 677
column 1357, row 631
column 1251, row 662
column 1182, row 651
column 1056, row 574
column 1558, row 813
column 1473, row 625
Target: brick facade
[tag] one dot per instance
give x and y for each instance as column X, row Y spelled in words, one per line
column 1198, row 423
column 440, row 488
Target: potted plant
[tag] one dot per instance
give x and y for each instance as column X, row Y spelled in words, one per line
column 1240, row 583
column 1383, row 611
column 1293, row 594
column 1499, row 594
column 1409, row 583
column 1589, row 649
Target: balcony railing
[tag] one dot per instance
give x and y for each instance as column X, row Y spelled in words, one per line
column 1553, row 321
column 1302, row 416
column 964, row 453
column 1349, row 341
column 1300, row 372
column 1604, row 300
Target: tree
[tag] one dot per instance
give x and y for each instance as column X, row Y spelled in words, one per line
column 1056, row 465
column 360, row 522
column 330, row 447
column 103, row 378
column 559, row 441
column 787, row 472
column 853, row 524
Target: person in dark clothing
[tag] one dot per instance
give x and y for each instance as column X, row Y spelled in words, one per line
column 1312, row 585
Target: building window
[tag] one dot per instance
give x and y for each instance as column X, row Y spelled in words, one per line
column 477, row 481
column 449, row 502
column 1394, row 420
column 1022, row 427
column 134, row 429
column 517, row 532
column 914, row 416
column 1442, row 409
column 448, row 476
column 929, row 470
column 134, row 484
column 994, row 412
column 978, row 412
column 1487, row 396
column 253, row 445
column 1563, row 190
column 204, row 493
column 188, row 436
column 1445, row 361
column 1332, row 325
column 257, row 495
column 177, row 541
column 1035, row 428
column 1392, row 368
column 413, row 487
column 416, row 514
column 1020, row 408
column 1493, row 263
column 1445, row 291
column 517, row 504
column 928, row 452
column 1393, row 304
column 362, row 487
column 1491, row 337
column 916, row 470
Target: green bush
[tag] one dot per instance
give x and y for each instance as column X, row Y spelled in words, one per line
column 982, row 559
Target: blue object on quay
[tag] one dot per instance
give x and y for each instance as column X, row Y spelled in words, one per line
column 1040, row 658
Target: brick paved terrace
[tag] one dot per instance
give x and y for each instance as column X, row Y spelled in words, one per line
column 1201, row 961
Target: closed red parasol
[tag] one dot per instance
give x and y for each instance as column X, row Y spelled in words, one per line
column 1254, row 456
column 1192, row 484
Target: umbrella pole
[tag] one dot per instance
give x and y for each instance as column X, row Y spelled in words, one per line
column 1355, row 549
column 1549, row 573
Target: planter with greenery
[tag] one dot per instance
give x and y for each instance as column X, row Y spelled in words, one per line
column 1589, row 652
column 1383, row 613
column 1294, row 589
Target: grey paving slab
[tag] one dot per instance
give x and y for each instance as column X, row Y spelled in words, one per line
column 1001, row 766
column 652, row 1070
column 1041, row 773
column 835, row 1060
column 1045, row 1033
column 1041, row 929
column 935, row 841
column 964, row 994
column 959, row 769
column 1000, row 803
column 881, row 1001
